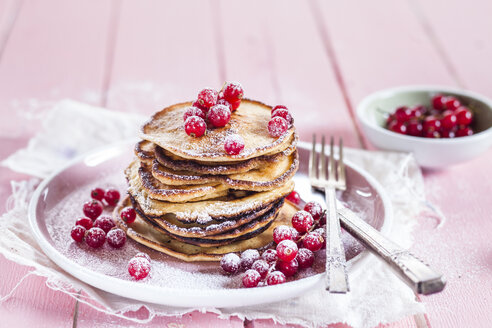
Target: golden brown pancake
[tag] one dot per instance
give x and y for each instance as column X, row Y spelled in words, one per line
column 146, row 234
column 206, row 210
column 172, row 193
column 250, row 120
column 249, row 230
column 272, row 174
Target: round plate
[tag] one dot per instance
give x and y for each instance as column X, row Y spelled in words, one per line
column 58, row 200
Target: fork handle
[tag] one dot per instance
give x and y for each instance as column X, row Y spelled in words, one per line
column 336, row 266
column 418, row 275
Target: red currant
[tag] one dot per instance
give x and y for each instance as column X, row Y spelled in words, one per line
column 219, row 115
column 207, row 97
column 438, row 102
column 431, row 123
column 313, row 241
column 128, row 215
column 233, row 92
column 116, row 238
column 277, row 126
column 390, row 119
column 230, row 263
column 284, row 114
column 78, row 233
column 294, row 198
column 414, row 128
column 199, row 106
column 452, row 103
column 270, row 255
column 193, row 111
column 248, row 257
column 295, row 234
column 95, row 237
column 235, row 105
column 85, row 222
column 287, row 250
column 278, row 107
column 92, row 209
column 261, row 266
column 302, row 221
column 432, row 134
column 138, row 268
column 417, row 111
column 305, row 258
column 287, row 268
column 234, row 144
column 448, row 133
column 195, row 126
column 464, row 132
column 224, row 102
column 463, row 116
column 251, row 278
column 403, row 114
column 282, row 232
column 112, row 196
column 315, row 209
column 105, row 223
column 398, row 127
column 97, row 194
column 448, row 120
column 275, row 278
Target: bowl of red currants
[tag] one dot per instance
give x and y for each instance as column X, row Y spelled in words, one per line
column 441, row 126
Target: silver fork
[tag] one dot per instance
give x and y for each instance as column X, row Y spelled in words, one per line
column 336, row 267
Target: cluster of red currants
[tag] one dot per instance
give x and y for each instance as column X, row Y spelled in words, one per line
column 94, row 228
column 280, row 121
column 447, row 118
column 215, row 108
column 295, row 247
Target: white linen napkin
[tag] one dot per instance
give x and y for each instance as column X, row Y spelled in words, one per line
column 71, row 128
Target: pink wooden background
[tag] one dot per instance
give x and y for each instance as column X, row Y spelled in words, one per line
column 318, row 57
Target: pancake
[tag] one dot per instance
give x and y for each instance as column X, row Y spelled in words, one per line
column 146, row 234
column 157, row 190
column 145, row 151
column 250, row 121
column 195, row 230
column 207, row 210
column 173, row 162
column 272, row 174
column 246, row 231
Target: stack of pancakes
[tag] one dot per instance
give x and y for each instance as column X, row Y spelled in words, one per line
column 193, row 200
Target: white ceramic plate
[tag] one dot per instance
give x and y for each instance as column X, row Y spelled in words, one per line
column 57, row 203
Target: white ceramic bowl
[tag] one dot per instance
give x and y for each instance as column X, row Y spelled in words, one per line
column 431, row 153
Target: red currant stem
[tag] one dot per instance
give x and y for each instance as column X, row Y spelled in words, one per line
column 223, row 86
column 315, row 225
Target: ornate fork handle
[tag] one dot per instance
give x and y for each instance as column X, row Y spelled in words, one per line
column 418, row 275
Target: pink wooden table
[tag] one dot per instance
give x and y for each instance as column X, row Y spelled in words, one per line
column 318, row 57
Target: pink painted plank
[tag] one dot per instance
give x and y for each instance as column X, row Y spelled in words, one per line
column 32, row 304
column 56, row 50
column 91, row 318
column 462, row 247
column 280, row 58
column 165, row 53
column 378, row 50
column 463, row 31
column 8, row 14
column 397, row 51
